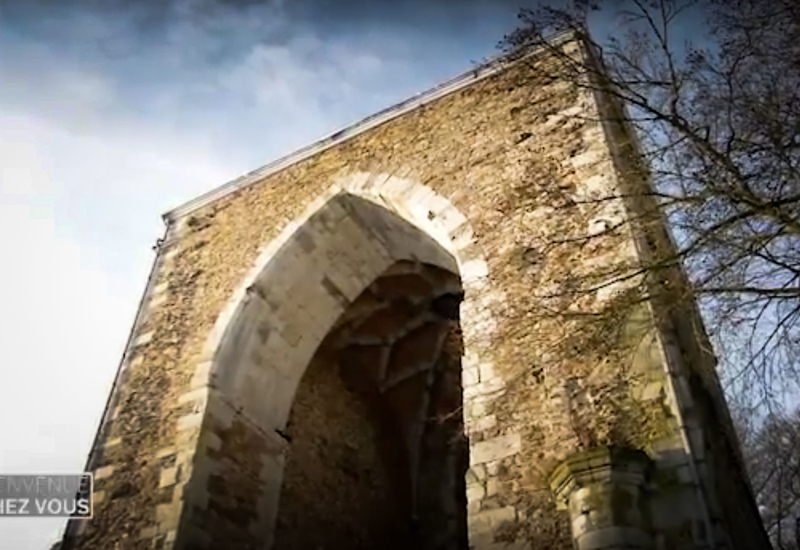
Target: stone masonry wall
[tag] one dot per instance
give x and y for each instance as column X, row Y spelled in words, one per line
column 732, row 511
column 510, row 152
column 337, row 466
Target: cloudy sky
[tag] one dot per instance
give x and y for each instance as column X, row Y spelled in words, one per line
column 112, row 112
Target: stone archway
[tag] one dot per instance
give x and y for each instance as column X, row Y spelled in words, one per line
column 377, row 452
column 251, row 277
column 308, row 286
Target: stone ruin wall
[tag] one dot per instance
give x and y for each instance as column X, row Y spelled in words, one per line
column 511, row 153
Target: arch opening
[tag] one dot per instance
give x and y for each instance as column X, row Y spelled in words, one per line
column 376, row 454
column 352, row 313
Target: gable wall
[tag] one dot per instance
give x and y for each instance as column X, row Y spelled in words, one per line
column 508, row 154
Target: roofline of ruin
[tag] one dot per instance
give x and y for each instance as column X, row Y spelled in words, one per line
column 485, row 70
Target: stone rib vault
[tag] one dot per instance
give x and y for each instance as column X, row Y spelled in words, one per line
column 370, row 344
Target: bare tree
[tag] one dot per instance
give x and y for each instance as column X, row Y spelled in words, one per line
column 718, row 126
column 773, row 461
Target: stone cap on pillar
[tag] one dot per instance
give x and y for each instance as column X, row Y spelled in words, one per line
column 604, row 490
column 600, row 465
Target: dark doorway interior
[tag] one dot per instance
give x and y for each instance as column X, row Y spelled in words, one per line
column 377, row 452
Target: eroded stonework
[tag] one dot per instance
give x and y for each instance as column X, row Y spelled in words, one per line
column 392, row 465
column 353, row 256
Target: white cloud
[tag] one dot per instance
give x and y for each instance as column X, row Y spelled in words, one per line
column 303, row 77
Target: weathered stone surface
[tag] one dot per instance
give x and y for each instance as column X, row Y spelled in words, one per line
column 337, row 491
column 450, row 198
column 605, row 491
column 407, row 286
column 418, row 348
column 495, row 448
column 385, row 322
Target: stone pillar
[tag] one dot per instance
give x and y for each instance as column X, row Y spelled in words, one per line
column 604, row 491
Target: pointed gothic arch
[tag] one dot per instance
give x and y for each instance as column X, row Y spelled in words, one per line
column 190, row 452
column 307, row 288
